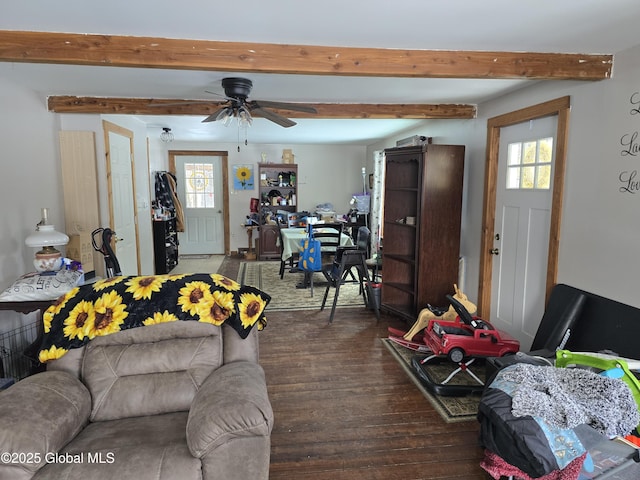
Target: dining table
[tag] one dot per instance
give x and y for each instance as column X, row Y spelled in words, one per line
column 292, row 240
column 292, row 243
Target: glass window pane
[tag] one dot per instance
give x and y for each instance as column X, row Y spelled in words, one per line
column 544, row 177
column 545, row 150
column 514, row 154
column 199, row 185
column 513, row 177
column 528, row 175
column 529, row 152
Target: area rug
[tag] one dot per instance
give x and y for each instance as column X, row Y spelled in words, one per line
column 451, row 409
column 285, row 295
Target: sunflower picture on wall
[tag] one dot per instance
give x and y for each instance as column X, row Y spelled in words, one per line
column 243, row 177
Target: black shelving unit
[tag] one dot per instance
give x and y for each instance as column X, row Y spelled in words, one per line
column 165, row 245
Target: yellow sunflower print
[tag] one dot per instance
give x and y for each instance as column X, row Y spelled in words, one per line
column 51, row 354
column 143, row 287
column 58, row 305
column 79, row 319
column 110, row 313
column 191, row 295
column 216, row 308
column 224, row 282
column 251, row 307
column 107, row 282
column 243, row 174
column 176, row 276
column 158, row 317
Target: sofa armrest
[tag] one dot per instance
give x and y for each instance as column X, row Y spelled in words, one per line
column 39, row 415
column 232, row 402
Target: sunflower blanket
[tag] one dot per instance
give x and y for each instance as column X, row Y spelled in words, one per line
column 120, row 303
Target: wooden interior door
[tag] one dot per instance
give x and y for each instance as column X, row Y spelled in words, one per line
column 122, row 196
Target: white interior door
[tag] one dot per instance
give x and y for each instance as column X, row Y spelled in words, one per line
column 200, row 188
column 122, row 196
column 521, row 239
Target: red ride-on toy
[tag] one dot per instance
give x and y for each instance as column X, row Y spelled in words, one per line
column 461, row 341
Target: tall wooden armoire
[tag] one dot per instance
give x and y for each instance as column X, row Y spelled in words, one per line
column 421, row 227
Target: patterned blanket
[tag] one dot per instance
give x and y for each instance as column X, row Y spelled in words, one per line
column 120, row 303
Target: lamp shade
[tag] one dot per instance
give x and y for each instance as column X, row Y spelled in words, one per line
column 46, row 236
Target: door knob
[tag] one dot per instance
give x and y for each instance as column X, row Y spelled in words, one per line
column 494, row 251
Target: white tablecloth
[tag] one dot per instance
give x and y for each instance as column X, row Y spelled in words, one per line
column 292, row 240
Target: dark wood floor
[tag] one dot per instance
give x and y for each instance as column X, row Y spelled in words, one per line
column 344, row 409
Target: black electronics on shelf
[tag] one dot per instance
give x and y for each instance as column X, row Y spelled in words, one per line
column 165, row 245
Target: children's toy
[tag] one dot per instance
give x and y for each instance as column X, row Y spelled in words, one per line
column 467, row 336
column 462, row 341
column 413, row 339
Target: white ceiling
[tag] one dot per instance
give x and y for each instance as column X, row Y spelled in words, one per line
column 571, row 26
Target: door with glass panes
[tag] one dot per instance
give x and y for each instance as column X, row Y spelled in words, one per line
column 521, row 232
column 200, row 188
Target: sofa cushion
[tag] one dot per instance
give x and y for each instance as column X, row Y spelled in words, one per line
column 144, row 462
column 33, row 436
column 232, row 403
column 150, row 371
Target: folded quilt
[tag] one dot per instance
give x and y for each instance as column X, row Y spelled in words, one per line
column 120, row 303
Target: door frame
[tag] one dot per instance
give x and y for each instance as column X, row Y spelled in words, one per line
column 108, row 127
column 225, row 184
column 560, row 107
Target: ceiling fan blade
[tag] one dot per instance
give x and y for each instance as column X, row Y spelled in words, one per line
column 297, row 107
column 219, row 95
column 274, row 117
column 214, row 115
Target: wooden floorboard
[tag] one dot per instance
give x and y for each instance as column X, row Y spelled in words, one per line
column 345, row 410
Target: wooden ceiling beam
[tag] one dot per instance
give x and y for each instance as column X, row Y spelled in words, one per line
column 152, row 52
column 150, row 106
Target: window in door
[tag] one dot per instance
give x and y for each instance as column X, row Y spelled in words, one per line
column 529, row 164
column 199, row 185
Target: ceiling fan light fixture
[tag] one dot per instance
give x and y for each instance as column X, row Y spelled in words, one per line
column 166, row 136
column 244, row 117
column 225, row 116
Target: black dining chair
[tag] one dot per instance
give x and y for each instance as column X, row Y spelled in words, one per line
column 347, row 259
column 330, row 236
column 293, row 260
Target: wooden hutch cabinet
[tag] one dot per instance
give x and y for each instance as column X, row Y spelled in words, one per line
column 282, row 178
column 421, row 236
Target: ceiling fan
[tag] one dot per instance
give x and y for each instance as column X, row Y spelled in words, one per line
column 236, row 92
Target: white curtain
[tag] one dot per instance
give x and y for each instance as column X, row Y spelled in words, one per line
column 377, row 204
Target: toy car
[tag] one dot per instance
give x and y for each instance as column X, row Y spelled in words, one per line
column 467, row 336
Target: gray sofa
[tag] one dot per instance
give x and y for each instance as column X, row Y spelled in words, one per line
column 179, row 400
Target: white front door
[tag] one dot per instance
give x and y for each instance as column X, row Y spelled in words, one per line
column 123, row 209
column 200, row 188
column 521, row 232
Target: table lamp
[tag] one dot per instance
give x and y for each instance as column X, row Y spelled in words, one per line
column 48, row 259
